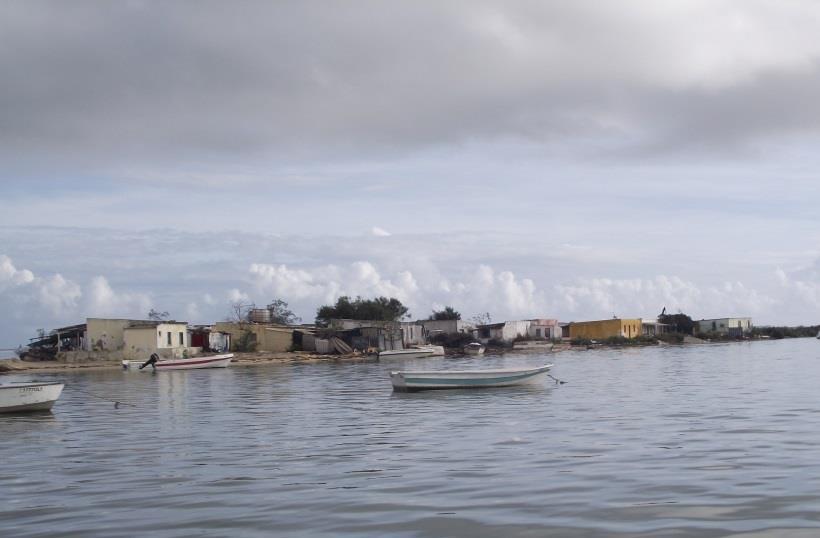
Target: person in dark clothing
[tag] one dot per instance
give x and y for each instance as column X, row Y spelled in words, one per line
column 151, row 361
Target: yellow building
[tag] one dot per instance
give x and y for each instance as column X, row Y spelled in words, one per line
column 605, row 328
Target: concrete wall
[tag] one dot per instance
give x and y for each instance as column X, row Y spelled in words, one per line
column 105, row 334
column 140, row 342
column 544, row 328
column 178, row 332
column 514, row 329
column 607, row 328
column 273, row 339
column 725, row 325
column 413, row 334
column 276, row 340
column 446, row 326
column 506, row 332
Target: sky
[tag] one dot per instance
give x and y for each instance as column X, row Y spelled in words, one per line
column 571, row 160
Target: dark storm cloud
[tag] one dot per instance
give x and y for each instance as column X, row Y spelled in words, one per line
column 111, row 83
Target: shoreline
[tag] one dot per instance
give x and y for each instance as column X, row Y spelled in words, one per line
column 16, row 366
column 260, row 358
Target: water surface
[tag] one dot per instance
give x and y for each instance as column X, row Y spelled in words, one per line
column 710, row 440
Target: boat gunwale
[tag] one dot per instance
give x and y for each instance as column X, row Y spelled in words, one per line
column 470, row 372
column 24, row 384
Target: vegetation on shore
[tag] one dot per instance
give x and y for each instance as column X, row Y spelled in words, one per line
column 378, row 309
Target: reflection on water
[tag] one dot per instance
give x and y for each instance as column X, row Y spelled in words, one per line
column 698, row 441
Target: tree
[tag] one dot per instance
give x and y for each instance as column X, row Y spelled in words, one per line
column 680, row 322
column 156, row 315
column 448, row 313
column 281, row 314
column 239, row 312
column 378, row 309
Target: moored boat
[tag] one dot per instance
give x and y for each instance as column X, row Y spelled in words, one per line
column 474, row 348
column 410, row 381
column 404, row 354
column 537, row 345
column 435, row 351
column 195, row 363
column 21, row 397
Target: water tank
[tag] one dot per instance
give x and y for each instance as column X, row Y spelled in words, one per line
column 259, row 315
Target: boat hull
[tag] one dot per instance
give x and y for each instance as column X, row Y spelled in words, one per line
column 25, row 397
column 471, row 349
column 409, row 381
column 197, row 363
column 405, row 354
column 435, row 351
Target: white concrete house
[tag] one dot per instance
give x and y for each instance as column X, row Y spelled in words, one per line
column 166, row 339
column 729, row 326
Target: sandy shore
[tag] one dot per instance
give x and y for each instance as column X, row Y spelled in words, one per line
column 13, row 366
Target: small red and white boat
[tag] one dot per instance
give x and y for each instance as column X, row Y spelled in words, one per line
column 194, row 363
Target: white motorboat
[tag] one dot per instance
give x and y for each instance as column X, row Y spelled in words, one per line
column 195, row 363
column 474, row 348
column 29, row 396
column 405, row 354
column 435, row 351
column 410, row 381
column 536, row 345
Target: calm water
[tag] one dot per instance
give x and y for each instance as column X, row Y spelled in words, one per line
column 711, row 440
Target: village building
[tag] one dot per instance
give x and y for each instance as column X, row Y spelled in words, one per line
column 544, row 329
column 655, row 328
column 727, row 326
column 606, row 328
column 506, row 331
column 412, row 333
column 115, row 338
column 168, row 339
column 445, row 326
column 271, row 338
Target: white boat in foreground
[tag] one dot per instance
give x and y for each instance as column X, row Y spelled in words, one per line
column 405, row 354
column 195, row 363
column 29, row 396
column 474, row 348
column 409, row 381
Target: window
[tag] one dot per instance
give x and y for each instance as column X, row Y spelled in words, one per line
column 169, row 338
column 181, row 339
column 537, row 332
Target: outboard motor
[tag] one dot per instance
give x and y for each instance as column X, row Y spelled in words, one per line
column 151, row 361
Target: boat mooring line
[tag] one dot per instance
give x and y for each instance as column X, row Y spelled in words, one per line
column 117, row 403
column 557, row 381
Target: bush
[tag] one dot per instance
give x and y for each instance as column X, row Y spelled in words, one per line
column 671, row 338
column 456, row 340
column 246, row 342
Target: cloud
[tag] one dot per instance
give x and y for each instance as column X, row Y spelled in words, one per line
column 379, row 232
column 605, row 297
column 196, row 276
column 46, row 301
column 119, row 84
column 103, row 301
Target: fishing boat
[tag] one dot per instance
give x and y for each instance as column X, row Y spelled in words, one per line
column 405, row 353
column 195, row 363
column 474, row 348
column 410, row 381
column 29, row 396
column 435, row 351
column 537, row 345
